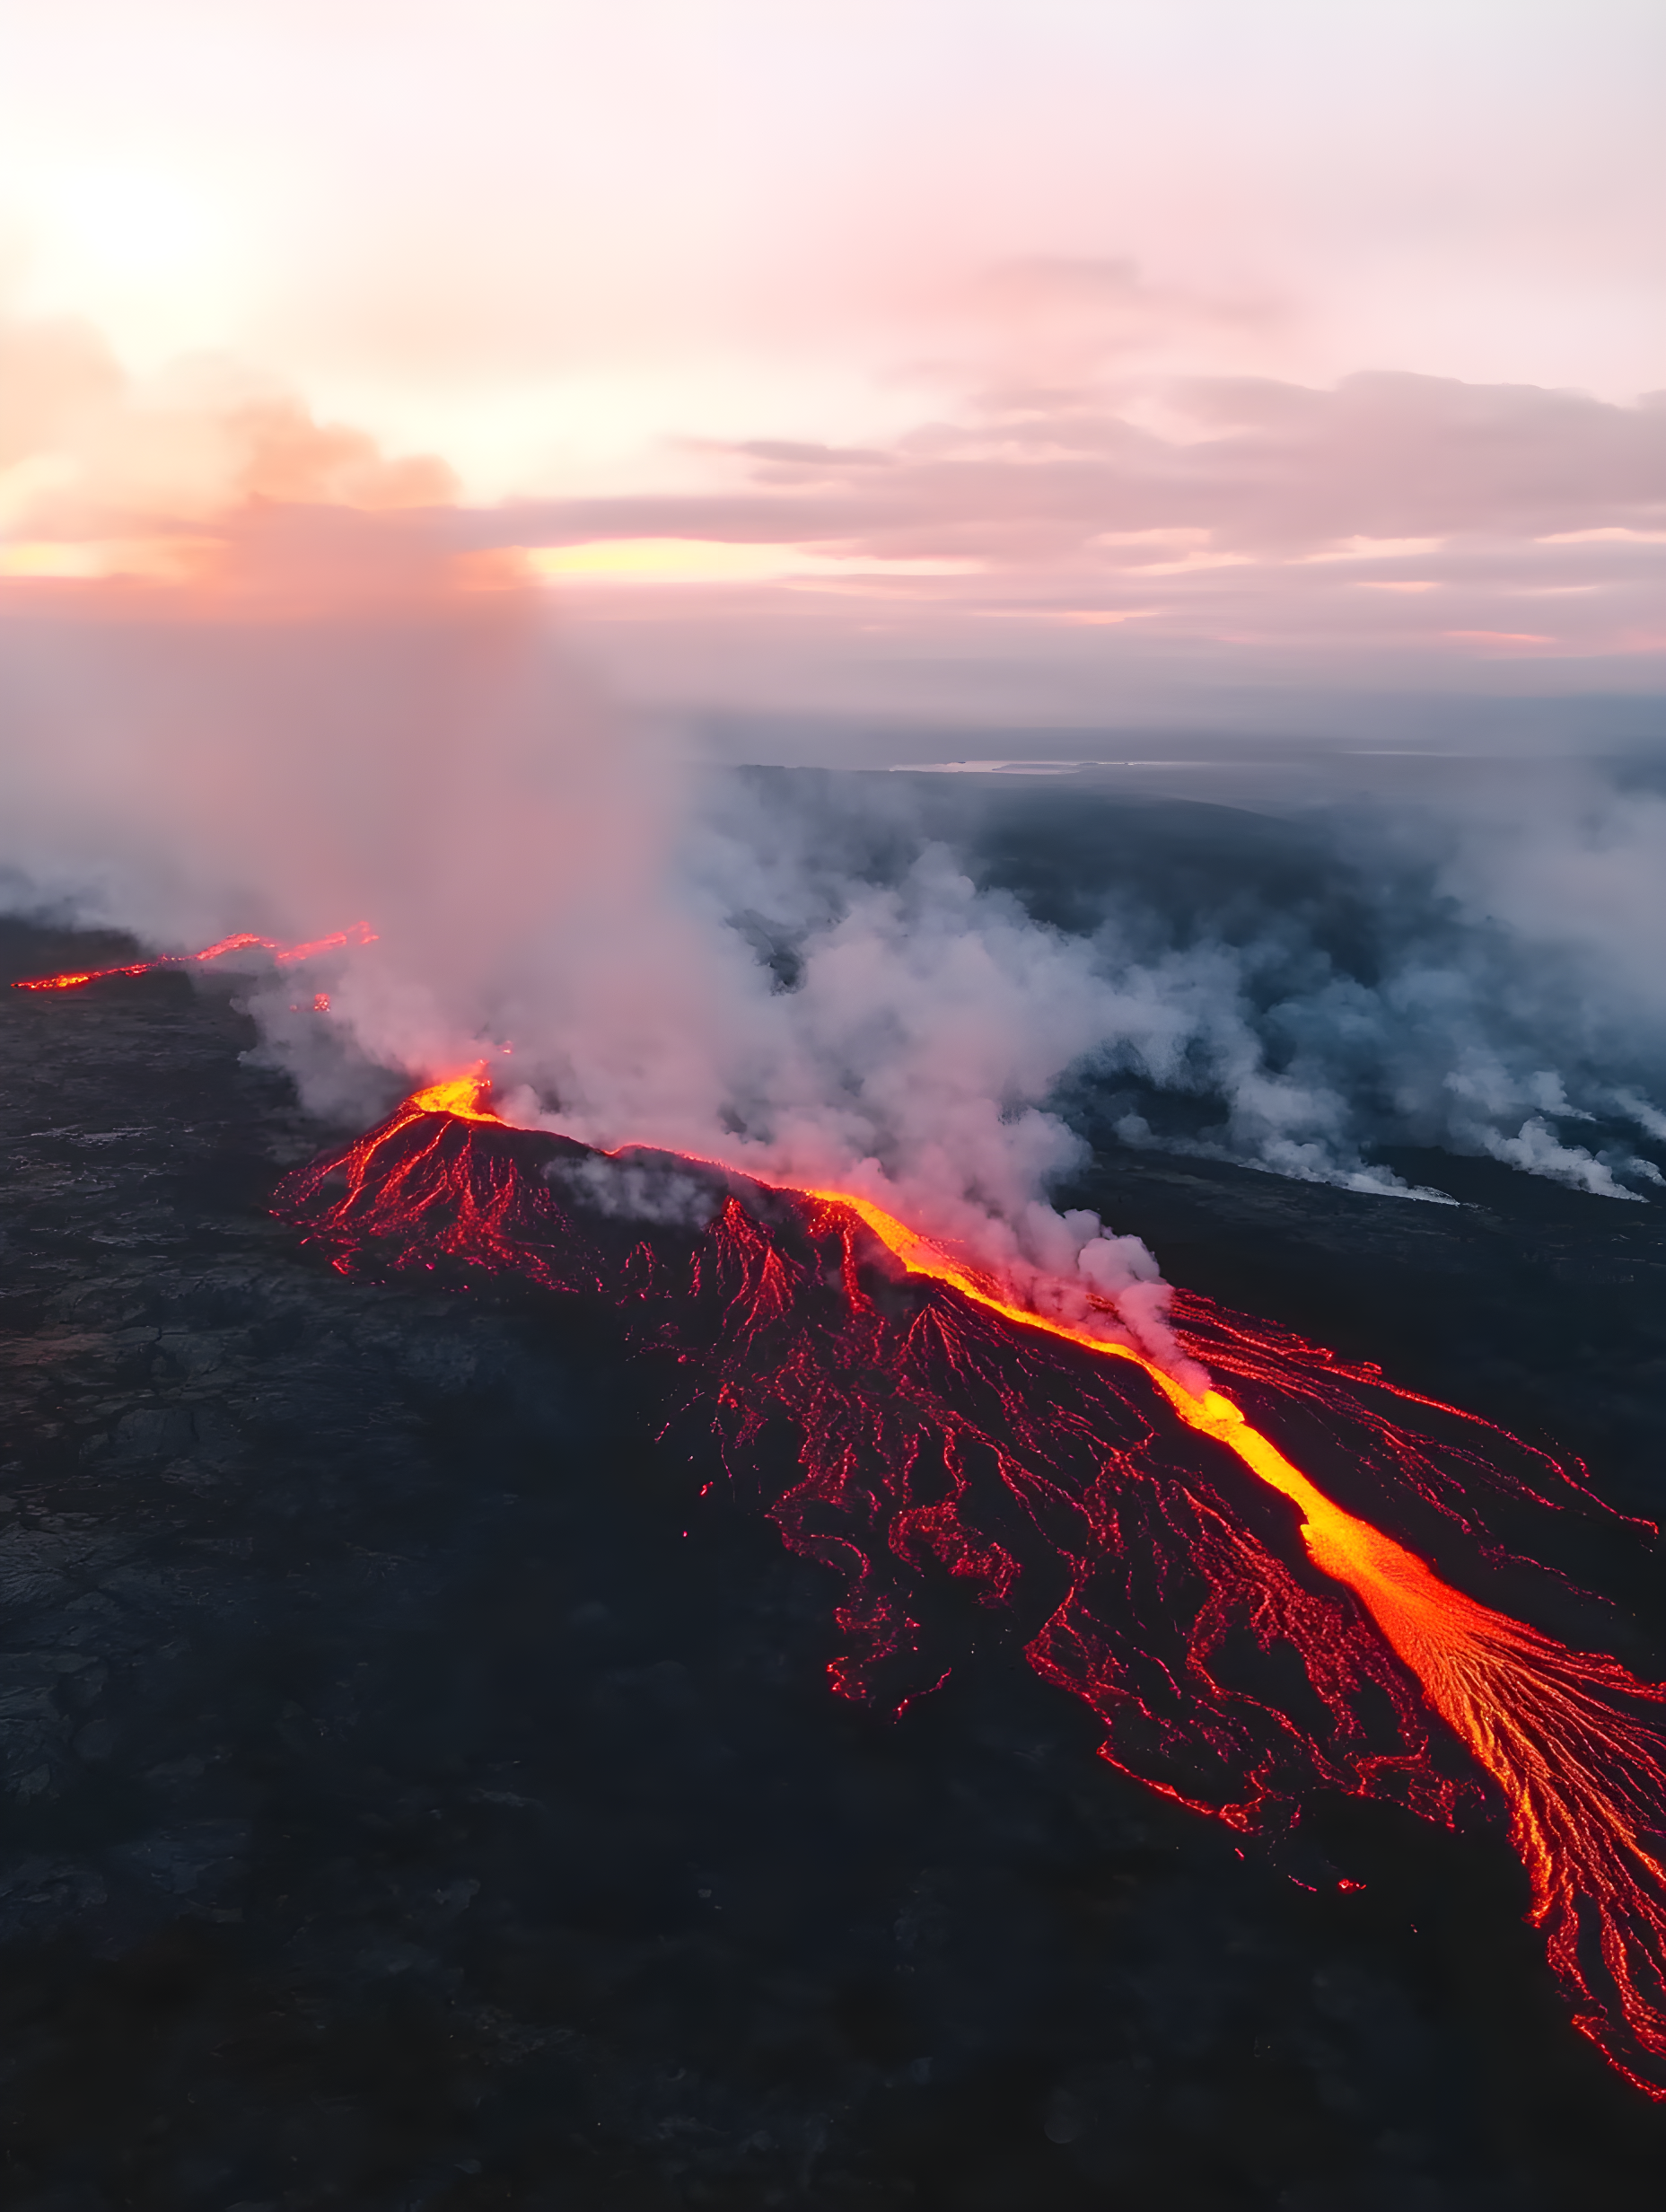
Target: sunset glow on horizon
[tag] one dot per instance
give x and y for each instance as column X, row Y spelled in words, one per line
column 1077, row 339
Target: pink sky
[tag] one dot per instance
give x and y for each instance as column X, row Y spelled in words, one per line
column 1053, row 364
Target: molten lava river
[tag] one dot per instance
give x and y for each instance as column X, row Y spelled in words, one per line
column 1247, row 1638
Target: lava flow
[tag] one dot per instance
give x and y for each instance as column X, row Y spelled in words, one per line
column 285, row 955
column 1241, row 1660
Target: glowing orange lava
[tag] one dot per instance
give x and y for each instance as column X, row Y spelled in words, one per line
column 961, row 1434
column 1585, row 1781
column 285, row 955
column 462, row 1095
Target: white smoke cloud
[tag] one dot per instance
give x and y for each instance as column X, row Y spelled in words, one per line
column 329, row 713
column 545, row 896
column 1486, row 1020
column 819, row 992
column 637, row 1190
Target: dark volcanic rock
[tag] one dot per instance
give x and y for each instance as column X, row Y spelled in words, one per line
column 420, row 1789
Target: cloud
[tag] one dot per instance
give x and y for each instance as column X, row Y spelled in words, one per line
column 1413, row 529
column 104, row 473
column 1273, row 470
column 1405, row 522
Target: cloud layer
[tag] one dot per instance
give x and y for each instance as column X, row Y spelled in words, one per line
column 1040, row 557
column 1405, row 529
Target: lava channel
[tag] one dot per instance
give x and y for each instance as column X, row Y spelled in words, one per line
column 285, row 955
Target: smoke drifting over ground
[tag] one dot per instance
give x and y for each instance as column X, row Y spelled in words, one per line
column 1461, row 962
column 1461, row 967
column 935, row 992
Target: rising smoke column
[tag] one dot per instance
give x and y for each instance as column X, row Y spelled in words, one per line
column 1048, row 1465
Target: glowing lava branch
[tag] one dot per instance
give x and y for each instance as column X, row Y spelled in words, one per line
column 964, row 1436
column 410, row 1178
column 285, row 955
column 1583, row 1770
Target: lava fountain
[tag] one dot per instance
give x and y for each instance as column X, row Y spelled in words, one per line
column 1138, row 1531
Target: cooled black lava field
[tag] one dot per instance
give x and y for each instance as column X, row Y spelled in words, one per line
column 418, row 1794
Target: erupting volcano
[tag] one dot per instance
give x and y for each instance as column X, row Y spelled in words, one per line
column 906, row 1422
